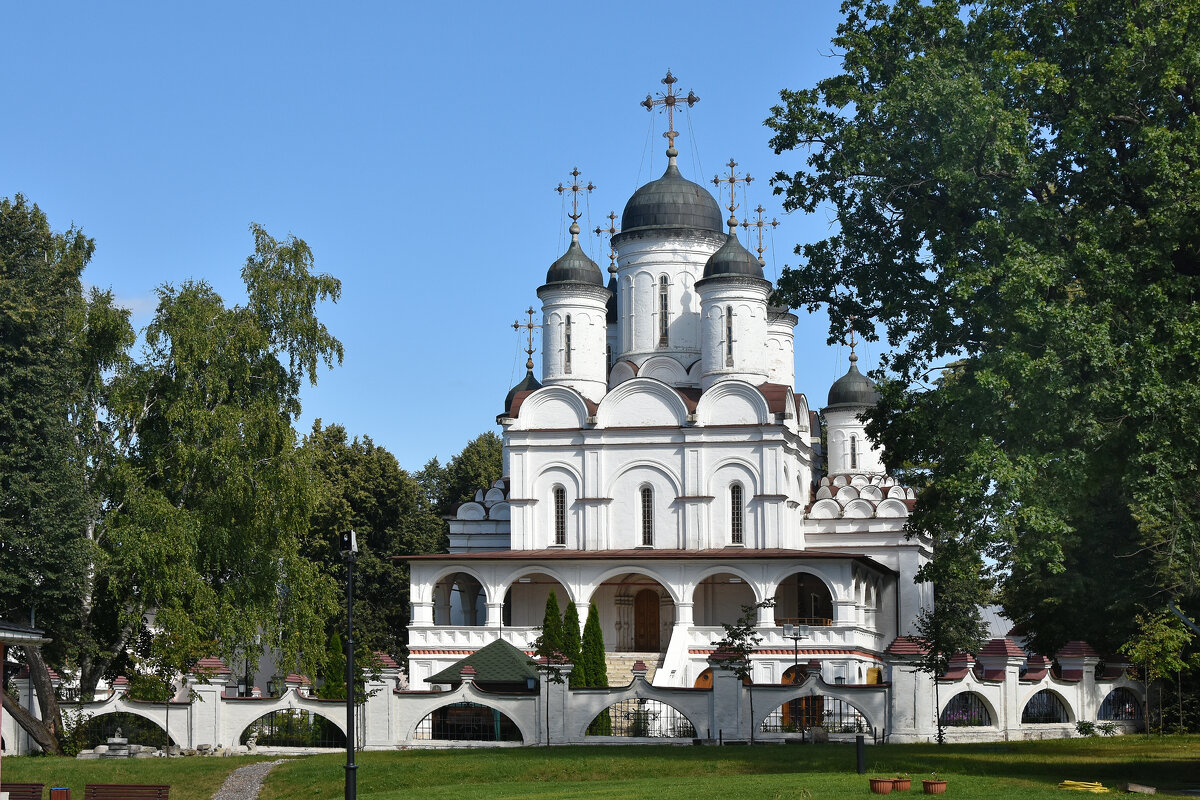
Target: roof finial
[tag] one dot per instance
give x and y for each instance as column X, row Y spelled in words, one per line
column 612, row 230
column 529, row 328
column 760, row 224
column 853, row 355
column 575, row 189
column 670, row 100
column 732, row 180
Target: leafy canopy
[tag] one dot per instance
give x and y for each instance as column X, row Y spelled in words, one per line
column 1014, row 188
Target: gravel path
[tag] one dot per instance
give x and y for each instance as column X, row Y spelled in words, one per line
column 243, row 783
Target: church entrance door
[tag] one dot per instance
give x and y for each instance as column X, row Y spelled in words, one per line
column 645, row 621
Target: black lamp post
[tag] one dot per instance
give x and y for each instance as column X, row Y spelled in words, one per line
column 349, row 550
column 795, row 633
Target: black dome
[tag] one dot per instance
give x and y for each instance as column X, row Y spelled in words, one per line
column 528, row 384
column 672, row 201
column 575, row 266
column 852, row 389
column 732, row 259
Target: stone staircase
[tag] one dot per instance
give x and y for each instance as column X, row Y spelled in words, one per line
column 620, row 666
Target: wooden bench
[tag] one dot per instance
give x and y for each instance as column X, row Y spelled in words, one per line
column 23, row 791
column 123, row 791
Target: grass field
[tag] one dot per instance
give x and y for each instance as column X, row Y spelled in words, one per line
column 768, row 772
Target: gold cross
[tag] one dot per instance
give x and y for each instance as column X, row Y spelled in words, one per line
column 732, row 180
column 760, row 224
column 670, row 100
column 575, row 189
column 529, row 328
column 612, row 231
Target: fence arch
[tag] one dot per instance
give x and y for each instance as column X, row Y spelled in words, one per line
column 468, row 721
column 294, row 727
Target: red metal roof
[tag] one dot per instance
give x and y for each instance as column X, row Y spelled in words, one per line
column 906, row 646
column 640, row 554
column 1077, row 649
column 210, row 665
column 1001, row 648
column 386, row 661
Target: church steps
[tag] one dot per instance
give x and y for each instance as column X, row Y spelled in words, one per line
column 620, row 666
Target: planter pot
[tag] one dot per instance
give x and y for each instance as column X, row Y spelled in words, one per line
column 934, row 787
column 881, row 785
column 901, row 784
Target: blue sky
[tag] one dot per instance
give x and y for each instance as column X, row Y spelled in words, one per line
column 415, row 148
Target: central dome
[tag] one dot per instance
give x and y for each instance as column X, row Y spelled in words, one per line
column 672, row 201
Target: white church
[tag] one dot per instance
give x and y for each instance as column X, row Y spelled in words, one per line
column 665, row 469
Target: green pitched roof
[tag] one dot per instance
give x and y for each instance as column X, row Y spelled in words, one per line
column 498, row 662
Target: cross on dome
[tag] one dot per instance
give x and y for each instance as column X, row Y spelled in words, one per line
column 612, row 230
column 529, row 328
column 760, row 223
column 733, row 179
column 670, row 100
column 575, row 189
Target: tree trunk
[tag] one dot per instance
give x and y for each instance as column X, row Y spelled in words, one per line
column 39, row 673
column 32, row 725
column 937, row 711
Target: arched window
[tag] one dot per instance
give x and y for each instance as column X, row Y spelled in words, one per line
column 664, row 312
column 1043, row 707
column 729, row 336
column 1121, row 705
column 560, row 515
column 853, row 451
column 567, row 346
column 966, row 709
column 647, row 516
column 736, row 514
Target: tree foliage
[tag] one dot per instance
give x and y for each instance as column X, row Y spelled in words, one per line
column 550, row 642
column 573, row 646
column 1014, row 187
column 592, row 650
column 360, row 486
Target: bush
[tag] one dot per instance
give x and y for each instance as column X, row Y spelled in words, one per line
column 1086, row 728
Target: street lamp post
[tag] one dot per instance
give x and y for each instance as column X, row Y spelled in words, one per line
column 795, row 633
column 349, row 550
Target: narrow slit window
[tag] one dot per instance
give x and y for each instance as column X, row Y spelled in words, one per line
column 664, row 312
column 567, row 346
column 729, row 336
column 853, row 452
column 608, row 356
column 736, row 514
column 560, row 515
column 647, row 516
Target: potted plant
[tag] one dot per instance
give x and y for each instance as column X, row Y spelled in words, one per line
column 881, row 785
column 934, row 784
column 901, row 783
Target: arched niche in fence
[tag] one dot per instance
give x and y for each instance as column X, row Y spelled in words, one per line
column 294, row 727
column 467, row 722
column 642, row 718
column 136, row 728
column 816, row 711
column 966, row 710
column 1043, row 708
column 1120, row 705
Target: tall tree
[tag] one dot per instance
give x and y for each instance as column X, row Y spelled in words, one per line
column 476, row 467
column 360, row 486
column 550, row 642
column 1013, row 182
column 592, row 650
column 573, row 646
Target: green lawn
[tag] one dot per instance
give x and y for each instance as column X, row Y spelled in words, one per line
column 767, row 772
column 189, row 778
column 770, row 772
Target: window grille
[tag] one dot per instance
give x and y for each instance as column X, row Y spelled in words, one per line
column 803, row 713
column 853, row 452
column 729, row 336
column 647, row 516
column 644, row 719
column 294, row 727
column 1120, row 705
column 735, row 514
column 467, row 722
column 560, row 515
column 1044, row 707
column 664, row 312
column 567, row 346
column 966, row 710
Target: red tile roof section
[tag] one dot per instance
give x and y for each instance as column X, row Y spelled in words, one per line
column 210, row 666
column 776, row 395
column 720, row 553
column 1036, row 668
column 1076, row 649
column 906, row 646
column 1001, row 648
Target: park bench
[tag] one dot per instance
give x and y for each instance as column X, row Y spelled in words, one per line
column 122, row 791
column 23, row 791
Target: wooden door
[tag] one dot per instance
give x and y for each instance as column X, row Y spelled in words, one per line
column 645, row 621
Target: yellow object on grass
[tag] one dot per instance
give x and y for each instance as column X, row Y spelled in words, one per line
column 1095, row 787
